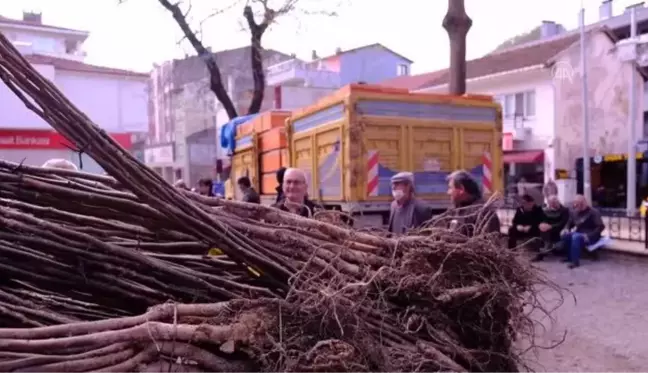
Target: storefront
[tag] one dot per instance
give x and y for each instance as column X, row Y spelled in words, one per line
column 524, row 170
column 35, row 147
column 608, row 175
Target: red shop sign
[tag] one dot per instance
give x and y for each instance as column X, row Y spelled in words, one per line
column 43, row 139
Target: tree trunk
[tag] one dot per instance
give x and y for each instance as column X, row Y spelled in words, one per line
column 215, row 78
column 457, row 24
column 256, row 63
column 258, row 74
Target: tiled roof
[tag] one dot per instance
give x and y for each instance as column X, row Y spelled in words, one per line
column 71, row 65
column 412, row 82
column 510, row 59
column 19, row 22
column 537, row 53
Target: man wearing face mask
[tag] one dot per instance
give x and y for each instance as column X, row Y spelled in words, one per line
column 406, row 212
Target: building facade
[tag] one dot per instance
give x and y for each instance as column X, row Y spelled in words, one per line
column 371, row 64
column 539, row 85
column 183, row 108
column 117, row 102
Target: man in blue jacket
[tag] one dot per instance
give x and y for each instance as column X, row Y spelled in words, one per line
column 586, row 225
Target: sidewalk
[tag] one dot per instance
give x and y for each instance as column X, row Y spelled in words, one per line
column 626, row 246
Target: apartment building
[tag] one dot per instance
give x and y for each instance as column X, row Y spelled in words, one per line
column 117, row 103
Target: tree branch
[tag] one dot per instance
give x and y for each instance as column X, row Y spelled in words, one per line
column 258, row 74
column 215, row 78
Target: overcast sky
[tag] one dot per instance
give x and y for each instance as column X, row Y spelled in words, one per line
column 138, row 33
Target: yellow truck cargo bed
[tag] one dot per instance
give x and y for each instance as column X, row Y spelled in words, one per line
column 351, row 143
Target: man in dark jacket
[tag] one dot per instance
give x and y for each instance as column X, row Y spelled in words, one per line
column 249, row 194
column 295, row 194
column 556, row 217
column 470, row 215
column 526, row 223
column 280, row 180
column 587, row 228
column 406, row 211
column 206, row 187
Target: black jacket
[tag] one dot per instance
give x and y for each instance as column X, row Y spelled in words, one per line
column 307, row 210
column 251, row 196
column 558, row 219
column 280, row 194
column 531, row 218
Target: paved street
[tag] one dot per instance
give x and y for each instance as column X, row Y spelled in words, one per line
column 607, row 327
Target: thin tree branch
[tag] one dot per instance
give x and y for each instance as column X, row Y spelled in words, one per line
column 215, row 80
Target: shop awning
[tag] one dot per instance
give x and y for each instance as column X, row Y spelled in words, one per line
column 524, row 156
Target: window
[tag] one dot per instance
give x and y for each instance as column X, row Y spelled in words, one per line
column 509, row 106
column 530, row 104
column 403, row 70
column 519, row 104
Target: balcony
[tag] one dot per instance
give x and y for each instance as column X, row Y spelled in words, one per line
column 28, row 48
column 302, row 74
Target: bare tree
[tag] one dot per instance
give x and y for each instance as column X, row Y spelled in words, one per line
column 258, row 15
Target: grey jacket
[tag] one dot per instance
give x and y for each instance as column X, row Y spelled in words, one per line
column 589, row 223
column 420, row 213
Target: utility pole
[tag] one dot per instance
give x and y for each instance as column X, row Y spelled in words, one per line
column 631, row 189
column 457, row 24
column 587, row 184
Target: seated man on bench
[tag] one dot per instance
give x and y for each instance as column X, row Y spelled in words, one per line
column 526, row 223
column 587, row 229
column 556, row 217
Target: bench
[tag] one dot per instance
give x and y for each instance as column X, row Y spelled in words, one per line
column 604, row 240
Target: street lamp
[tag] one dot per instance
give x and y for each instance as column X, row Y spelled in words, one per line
column 587, row 184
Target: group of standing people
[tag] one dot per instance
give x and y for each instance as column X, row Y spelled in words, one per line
column 292, row 195
column 468, row 214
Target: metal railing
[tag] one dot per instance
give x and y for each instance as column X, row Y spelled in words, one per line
column 618, row 225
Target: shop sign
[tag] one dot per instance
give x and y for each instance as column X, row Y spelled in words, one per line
column 44, row 139
column 620, row 157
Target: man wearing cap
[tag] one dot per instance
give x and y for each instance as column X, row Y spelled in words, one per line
column 406, row 212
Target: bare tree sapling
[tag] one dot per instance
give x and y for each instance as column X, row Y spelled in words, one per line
column 259, row 15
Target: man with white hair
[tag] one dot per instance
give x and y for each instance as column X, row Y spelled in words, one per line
column 406, row 211
column 587, row 228
column 180, row 184
column 295, row 198
column 60, row 163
